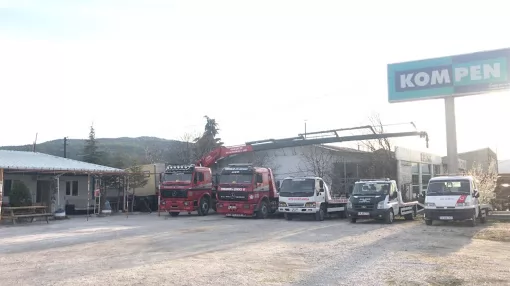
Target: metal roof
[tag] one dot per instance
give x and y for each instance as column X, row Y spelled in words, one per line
column 34, row 161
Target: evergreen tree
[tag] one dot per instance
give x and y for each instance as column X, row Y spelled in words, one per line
column 90, row 151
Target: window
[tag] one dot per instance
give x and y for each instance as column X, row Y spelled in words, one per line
column 416, row 179
column 7, row 187
column 415, row 168
column 425, row 169
column 437, row 170
column 72, row 188
column 425, row 180
column 200, row 177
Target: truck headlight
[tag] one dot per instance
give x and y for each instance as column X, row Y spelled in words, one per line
column 283, row 204
column 310, row 205
column 380, row 205
column 349, row 204
column 430, row 204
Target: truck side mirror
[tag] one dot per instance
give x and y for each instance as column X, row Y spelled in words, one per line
column 321, row 184
column 476, row 194
column 278, row 185
column 195, row 178
column 258, row 179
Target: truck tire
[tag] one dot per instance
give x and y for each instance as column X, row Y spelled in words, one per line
column 214, row 207
column 174, row 214
column 353, row 220
column 319, row 216
column 410, row 216
column 483, row 219
column 472, row 222
column 203, row 206
column 428, row 222
column 288, row 216
column 389, row 217
column 263, row 211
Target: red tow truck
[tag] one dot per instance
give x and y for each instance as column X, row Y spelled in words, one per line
column 244, row 190
column 188, row 188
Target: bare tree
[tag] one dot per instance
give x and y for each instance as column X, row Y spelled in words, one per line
column 319, row 161
column 153, row 154
column 184, row 151
column 486, row 180
column 264, row 159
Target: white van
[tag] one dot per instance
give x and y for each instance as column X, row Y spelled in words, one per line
column 454, row 198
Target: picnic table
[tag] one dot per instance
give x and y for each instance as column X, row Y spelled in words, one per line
column 30, row 212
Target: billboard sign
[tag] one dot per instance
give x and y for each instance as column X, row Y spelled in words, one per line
column 459, row 75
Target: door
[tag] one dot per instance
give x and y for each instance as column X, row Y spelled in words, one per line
column 43, row 194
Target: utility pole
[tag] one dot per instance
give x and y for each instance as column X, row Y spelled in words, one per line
column 305, row 128
column 65, row 147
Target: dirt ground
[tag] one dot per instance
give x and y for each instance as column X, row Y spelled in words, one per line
column 213, row 250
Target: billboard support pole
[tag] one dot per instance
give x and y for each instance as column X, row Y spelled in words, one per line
column 451, row 135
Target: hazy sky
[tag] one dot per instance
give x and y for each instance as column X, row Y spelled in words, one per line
column 260, row 68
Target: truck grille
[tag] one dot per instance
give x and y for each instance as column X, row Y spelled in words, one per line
column 363, row 207
column 233, row 196
column 174, row 194
column 295, row 204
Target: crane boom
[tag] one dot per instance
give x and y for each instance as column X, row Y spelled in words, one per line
column 319, row 137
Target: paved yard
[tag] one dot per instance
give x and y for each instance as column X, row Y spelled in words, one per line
column 190, row 250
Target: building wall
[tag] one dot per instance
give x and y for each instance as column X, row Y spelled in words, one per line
column 79, row 198
column 152, row 171
column 481, row 156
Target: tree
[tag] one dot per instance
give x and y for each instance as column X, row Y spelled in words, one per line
column 153, row 154
column 91, row 151
column 20, row 195
column 208, row 141
column 136, row 179
column 383, row 157
column 319, row 161
column 486, row 180
column 184, row 151
column 263, row 159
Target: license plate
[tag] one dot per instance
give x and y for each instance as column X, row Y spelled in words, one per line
column 294, row 210
column 446, row 217
column 232, row 207
column 363, row 213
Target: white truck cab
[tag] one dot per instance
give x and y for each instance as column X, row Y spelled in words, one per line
column 454, row 198
column 379, row 199
column 307, row 195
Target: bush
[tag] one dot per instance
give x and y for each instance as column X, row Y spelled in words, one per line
column 20, row 195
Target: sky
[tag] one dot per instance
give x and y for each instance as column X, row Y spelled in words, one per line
column 260, row 68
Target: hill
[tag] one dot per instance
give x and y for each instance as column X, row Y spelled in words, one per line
column 118, row 152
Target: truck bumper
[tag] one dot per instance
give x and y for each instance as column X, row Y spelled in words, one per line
column 298, row 210
column 449, row 214
column 236, row 209
column 177, row 206
column 364, row 214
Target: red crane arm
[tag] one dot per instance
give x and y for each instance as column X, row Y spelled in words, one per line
column 222, row 152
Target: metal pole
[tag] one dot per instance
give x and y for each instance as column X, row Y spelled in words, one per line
column 305, row 128
column 451, row 135
column 88, row 195
column 58, row 191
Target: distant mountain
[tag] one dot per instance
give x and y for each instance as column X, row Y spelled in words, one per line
column 118, row 152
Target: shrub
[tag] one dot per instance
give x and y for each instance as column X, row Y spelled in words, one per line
column 20, row 195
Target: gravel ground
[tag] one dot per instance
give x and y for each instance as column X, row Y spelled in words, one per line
column 190, row 250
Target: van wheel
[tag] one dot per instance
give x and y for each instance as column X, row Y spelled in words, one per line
column 472, row 222
column 389, row 217
column 483, row 219
column 174, row 214
column 319, row 216
column 203, row 206
column 263, row 211
column 288, row 216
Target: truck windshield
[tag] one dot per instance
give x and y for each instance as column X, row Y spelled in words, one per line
column 297, row 188
column 177, row 177
column 371, row 188
column 446, row 187
column 236, row 178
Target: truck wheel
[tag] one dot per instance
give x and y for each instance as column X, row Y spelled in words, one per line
column 319, row 216
column 389, row 217
column 428, row 222
column 410, row 216
column 203, row 206
column 353, row 220
column 214, row 207
column 483, row 219
column 263, row 211
column 288, row 216
column 174, row 214
column 472, row 222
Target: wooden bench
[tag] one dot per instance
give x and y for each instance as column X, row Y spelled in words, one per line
column 14, row 213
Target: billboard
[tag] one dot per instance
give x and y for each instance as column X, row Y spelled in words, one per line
column 458, row 75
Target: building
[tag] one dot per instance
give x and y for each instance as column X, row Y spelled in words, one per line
column 53, row 181
column 504, row 167
column 482, row 157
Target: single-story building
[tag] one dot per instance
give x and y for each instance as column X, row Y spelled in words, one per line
column 53, row 181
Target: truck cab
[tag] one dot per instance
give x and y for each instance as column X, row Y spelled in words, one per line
column 186, row 188
column 308, row 196
column 454, row 198
column 379, row 199
column 246, row 191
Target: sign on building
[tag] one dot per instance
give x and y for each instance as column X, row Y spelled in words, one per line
column 459, row 75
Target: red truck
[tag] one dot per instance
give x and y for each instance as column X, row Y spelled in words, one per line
column 188, row 188
column 244, row 190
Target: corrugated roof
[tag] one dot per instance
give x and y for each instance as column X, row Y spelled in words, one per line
column 34, row 161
